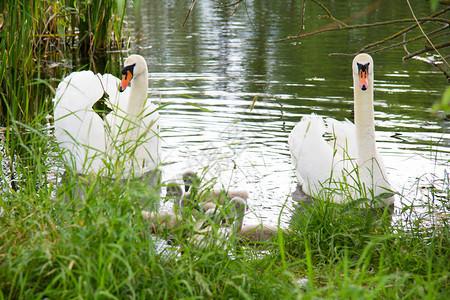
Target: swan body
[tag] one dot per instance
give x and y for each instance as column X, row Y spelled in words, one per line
column 350, row 157
column 162, row 221
column 257, row 233
column 206, row 227
column 127, row 138
column 198, row 201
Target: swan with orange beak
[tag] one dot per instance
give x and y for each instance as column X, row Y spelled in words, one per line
column 350, row 157
column 124, row 142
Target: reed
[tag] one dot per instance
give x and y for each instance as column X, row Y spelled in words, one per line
column 97, row 23
column 34, row 31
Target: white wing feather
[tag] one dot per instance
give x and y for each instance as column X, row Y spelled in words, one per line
column 320, row 162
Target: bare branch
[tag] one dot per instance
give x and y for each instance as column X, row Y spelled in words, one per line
column 349, row 27
column 426, row 49
column 329, row 13
column 327, row 29
column 403, row 43
column 410, row 40
column 302, row 24
column 231, row 4
column 423, row 32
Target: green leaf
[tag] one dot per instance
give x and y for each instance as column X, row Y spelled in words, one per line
column 253, row 103
column 198, row 106
column 444, row 105
column 61, row 30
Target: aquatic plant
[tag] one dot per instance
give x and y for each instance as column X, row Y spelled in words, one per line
column 33, row 31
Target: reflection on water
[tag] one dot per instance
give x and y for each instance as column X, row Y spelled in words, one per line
column 212, row 69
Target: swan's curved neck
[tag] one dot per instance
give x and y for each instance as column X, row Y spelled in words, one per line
column 138, row 95
column 129, row 124
column 364, row 122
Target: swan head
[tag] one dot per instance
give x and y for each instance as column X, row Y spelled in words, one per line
column 239, row 205
column 363, row 71
column 135, row 66
column 174, row 190
column 190, row 179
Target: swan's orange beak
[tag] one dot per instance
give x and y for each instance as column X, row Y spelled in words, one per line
column 126, row 78
column 362, row 74
column 127, row 75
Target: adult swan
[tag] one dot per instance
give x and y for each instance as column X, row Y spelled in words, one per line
column 340, row 160
column 105, row 130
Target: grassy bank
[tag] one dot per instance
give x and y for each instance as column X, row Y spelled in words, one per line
column 59, row 247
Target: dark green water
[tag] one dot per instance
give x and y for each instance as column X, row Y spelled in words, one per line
column 221, row 61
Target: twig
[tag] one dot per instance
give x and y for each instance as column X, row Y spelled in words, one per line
column 302, row 24
column 231, row 4
column 409, row 41
column 327, row 29
column 429, row 61
column 397, row 35
column 316, row 32
column 191, row 7
column 403, row 43
column 426, row 49
column 248, row 16
column 423, row 32
column 329, row 13
column 403, row 31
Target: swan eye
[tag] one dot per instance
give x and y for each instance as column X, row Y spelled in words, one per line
column 363, row 68
column 129, row 68
column 127, row 74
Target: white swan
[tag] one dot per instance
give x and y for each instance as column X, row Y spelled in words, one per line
column 351, row 157
column 125, row 142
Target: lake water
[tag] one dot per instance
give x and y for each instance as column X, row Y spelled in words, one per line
column 212, row 69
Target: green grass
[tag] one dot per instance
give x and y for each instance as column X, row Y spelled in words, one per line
column 54, row 245
column 354, row 256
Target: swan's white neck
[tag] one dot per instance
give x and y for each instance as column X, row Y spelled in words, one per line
column 129, row 124
column 364, row 122
column 370, row 164
column 138, row 96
